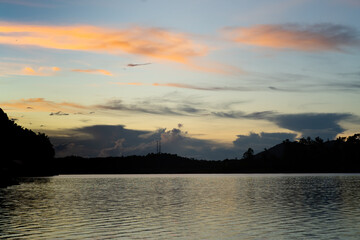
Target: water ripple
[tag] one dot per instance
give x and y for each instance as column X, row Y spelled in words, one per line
column 183, row 207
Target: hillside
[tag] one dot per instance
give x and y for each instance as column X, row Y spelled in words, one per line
column 307, row 155
column 23, row 152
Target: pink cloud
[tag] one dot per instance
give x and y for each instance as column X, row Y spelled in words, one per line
column 318, row 37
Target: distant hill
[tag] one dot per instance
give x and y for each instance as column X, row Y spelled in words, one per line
column 23, row 152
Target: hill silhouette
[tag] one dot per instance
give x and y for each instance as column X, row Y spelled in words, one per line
column 23, row 152
column 308, row 155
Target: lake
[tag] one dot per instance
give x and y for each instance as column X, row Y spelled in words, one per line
column 236, row 206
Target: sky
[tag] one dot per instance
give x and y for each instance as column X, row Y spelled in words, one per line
column 210, row 78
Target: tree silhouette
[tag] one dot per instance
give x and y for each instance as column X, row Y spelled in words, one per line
column 23, row 152
column 249, row 154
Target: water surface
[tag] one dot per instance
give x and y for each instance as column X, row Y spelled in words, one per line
column 183, row 207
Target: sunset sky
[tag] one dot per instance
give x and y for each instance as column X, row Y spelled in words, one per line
column 210, row 78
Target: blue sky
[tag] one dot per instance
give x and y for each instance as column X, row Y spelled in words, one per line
column 210, row 78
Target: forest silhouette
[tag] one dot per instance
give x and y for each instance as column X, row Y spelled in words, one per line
column 25, row 153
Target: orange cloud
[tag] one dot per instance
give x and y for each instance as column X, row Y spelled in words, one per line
column 42, row 105
column 96, row 71
column 29, row 71
column 41, row 71
column 319, row 37
column 151, row 42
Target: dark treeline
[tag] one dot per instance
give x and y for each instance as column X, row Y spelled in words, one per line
column 303, row 156
column 307, row 155
column 23, row 152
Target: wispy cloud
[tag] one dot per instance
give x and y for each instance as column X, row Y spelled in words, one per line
column 137, row 64
column 11, row 68
column 41, row 71
column 59, row 113
column 186, row 86
column 141, row 107
column 151, row 42
column 93, row 71
column 59, row 108
column 317, row 37
column 42, row 105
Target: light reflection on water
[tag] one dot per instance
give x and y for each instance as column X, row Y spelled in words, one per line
column 183, row 207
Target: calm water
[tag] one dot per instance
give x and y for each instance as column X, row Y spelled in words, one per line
column 183, row 207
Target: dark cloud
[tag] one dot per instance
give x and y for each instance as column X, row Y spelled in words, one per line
column 189, row 109
column 137, row 64
column 83, row 113
column 116, row 140
column 238, row 114
column 59, row 113
column 148, row 107
column 261, row 115
column 294, row 89
column 97, row 140
column 231, row 114
column 258, row 142
column 117, row 149
column 107, row 140
column 63, row 147
column 324, row 125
